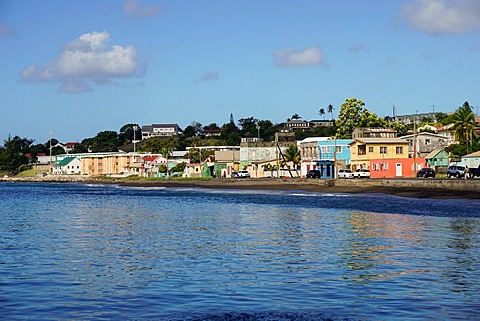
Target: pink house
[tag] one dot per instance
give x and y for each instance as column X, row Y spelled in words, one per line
column 396, row 167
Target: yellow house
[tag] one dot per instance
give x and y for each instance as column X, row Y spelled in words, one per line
column 362, row 150
column 107, row 164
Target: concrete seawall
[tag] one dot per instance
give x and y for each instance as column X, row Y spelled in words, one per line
column 472, row 185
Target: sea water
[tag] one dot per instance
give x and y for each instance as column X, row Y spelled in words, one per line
column 87, row 252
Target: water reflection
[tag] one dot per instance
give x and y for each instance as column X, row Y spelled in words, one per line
column 158, row 254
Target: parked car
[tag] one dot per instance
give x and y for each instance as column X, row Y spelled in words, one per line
column 243, row 173
column 426, row 172
column 313, row 173
column 234, row 175
column 362, row 173
column 455, row 171
column 345, row 173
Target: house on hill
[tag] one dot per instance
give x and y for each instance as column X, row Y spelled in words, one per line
column 160, row 130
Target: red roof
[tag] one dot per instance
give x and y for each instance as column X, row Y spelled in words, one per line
column 71, row 144
column 149, row 158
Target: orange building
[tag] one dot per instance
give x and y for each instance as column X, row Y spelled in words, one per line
column 396, row 167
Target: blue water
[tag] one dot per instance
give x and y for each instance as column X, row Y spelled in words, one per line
column 84, row 252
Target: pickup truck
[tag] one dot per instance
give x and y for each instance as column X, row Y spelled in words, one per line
column 474, row 172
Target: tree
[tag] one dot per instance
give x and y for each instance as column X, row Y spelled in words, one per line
column 197, row 156
column 441, row 118
column 105, row 141
column 248, row 126
column 130, row 132
column 267, row 130
column 231, row 134
column 321, row 112
column 463, row 121
column 353, row 114
column 211, row 126
column 296, row 116
column 330, row 110
column 189, row 131
column 159, row 145
column 292, row 154
column 12, row 156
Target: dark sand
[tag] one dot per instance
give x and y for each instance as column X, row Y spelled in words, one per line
column 303, row 185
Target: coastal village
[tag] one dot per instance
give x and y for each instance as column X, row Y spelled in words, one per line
column 380, row 150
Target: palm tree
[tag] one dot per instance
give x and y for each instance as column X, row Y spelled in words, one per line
column 321, row 112
column 296, row 116
column 330, row 109
column 463, row 124
column 292, row 154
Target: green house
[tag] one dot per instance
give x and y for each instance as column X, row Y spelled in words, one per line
column 437, row 158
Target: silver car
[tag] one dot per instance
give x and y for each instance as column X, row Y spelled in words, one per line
column 345, row 173
column 243, row 173
column 455, row 171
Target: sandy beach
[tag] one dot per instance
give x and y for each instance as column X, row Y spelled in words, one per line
column 418, row 188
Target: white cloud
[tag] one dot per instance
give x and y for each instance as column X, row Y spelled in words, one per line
column 358, row 47
column 86, row 61
column 208, row 76
column 436, row 17
column 310, row 56
column 7, row 30
column 133, row 9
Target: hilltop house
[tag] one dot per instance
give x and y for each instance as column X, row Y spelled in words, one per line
column 160, row 130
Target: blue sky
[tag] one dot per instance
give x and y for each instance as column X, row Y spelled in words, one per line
column 80, row 67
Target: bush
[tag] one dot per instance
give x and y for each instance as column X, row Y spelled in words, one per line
column 24, row 167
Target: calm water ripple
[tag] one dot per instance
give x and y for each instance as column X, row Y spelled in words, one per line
column 82, row 252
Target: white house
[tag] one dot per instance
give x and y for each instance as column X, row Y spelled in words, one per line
column 68, row 166
column 160, row 130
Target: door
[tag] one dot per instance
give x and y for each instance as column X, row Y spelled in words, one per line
column 398, row 169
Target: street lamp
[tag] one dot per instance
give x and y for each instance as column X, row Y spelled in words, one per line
column 135, row 128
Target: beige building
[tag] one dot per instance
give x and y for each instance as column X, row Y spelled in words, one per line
column 109, row 163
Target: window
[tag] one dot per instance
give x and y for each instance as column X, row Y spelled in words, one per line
column 427, row 141
column 339, row 149
column 385, row 166
column 370, row 149
column 383, row 150
column 399, row 150
column 362, row 150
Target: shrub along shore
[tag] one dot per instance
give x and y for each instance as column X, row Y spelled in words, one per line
column 418, row 188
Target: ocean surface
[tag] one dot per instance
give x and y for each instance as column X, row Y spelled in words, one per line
column 91, row 252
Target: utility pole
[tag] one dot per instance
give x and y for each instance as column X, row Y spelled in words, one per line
column 415, row 143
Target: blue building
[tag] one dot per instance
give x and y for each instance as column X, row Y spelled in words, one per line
column 321, row 153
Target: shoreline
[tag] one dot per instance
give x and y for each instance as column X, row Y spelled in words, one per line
column 434, row 189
